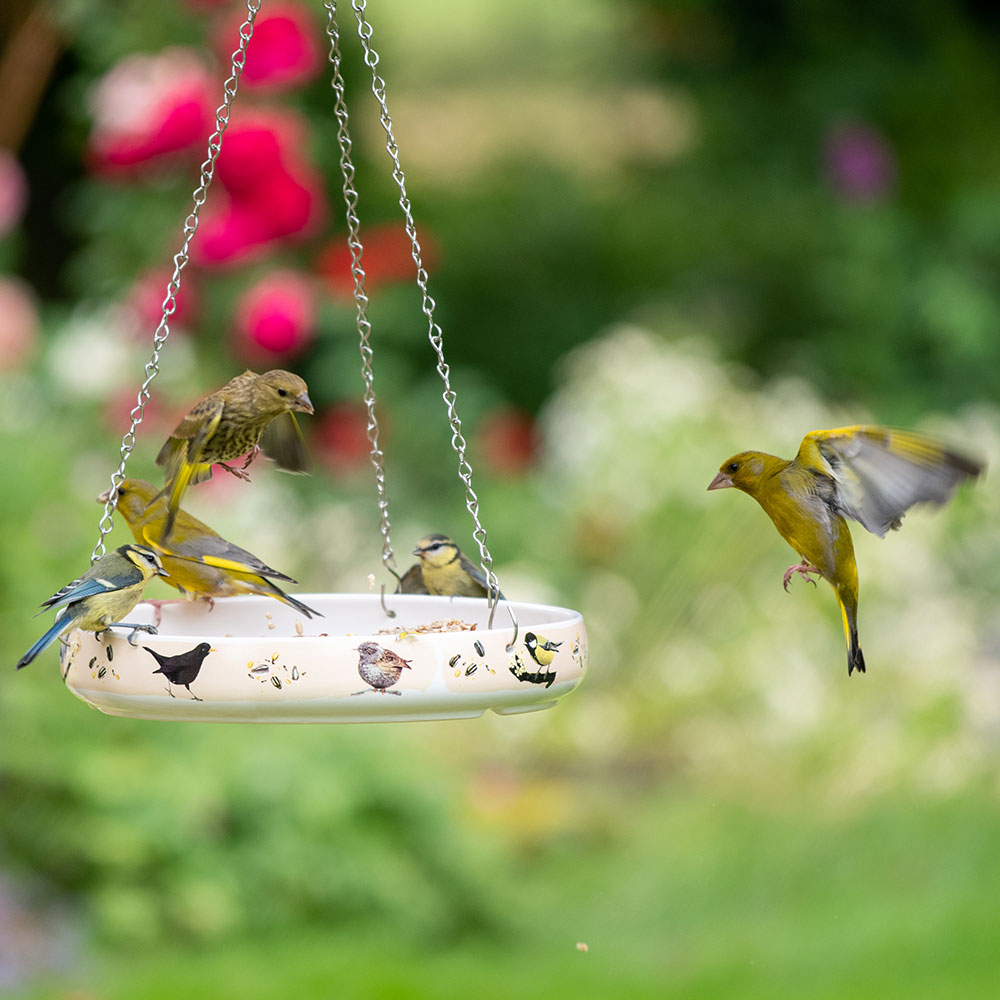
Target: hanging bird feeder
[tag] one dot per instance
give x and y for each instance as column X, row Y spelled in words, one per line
column 371, row 657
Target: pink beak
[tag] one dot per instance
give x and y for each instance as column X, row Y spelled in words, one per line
column 721, row 482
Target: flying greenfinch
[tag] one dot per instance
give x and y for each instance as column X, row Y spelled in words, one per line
column 445, row 570
column 102, row 596
column 249, row 412
column 872, row 475
column 197, row 560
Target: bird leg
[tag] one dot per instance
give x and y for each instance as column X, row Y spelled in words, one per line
column 193, row 695
column 803, row 569
column 151, row 629
column 238, row 473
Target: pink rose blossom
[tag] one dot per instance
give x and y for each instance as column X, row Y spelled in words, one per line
column 275, row 318
column 284, row 51
column 268, row 190
column 148, row 107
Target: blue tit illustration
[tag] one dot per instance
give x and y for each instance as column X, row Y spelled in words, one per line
column 446, row 570
column 102, row 596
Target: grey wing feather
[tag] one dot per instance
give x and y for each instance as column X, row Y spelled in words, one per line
column 283, row 443
column 477, row 574
column 215, row 546
column 881, row 473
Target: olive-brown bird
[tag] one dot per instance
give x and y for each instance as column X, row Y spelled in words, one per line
column 445, row 570
column 182, row 668
column 872, row 475
column 380, row 667
column 198, row 561
column 249, row 412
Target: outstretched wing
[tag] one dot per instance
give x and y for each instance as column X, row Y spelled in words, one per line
column 880, row 472
column 283, row 443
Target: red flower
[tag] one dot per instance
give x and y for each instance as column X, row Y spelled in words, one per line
column 284, row 51
column 274, row 194
column 150, row 106
column 508, row 441
column 341, row 438
column 387, row 256
column 275, row 318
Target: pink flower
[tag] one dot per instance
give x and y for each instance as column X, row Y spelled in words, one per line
column 284, row 51
column 275, row 318
column 148, row 107
column 860, row 164
column 13, row 192
column 387, row 257
column 273, row 193
column 340, row 440
column 18, row 324
column 508, row 441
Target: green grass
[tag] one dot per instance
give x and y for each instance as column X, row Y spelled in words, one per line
column 704, row 899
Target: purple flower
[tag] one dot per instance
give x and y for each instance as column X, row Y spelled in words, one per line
column 860, row 164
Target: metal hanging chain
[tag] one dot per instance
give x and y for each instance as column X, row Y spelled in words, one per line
column 357, row 270
column 434, row 333
column 180, row 262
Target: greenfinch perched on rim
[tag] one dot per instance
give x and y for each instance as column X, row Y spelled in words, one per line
column 248, row 412
column 102, row 596
column 445, row 570
column 869, row 474
column 198, row 561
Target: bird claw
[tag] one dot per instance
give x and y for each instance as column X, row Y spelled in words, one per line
column 151, row 629
column 803, row 569
column 238, row 473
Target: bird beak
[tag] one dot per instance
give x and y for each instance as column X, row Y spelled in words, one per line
column 416, row 552
column 304, row 403
column 162, row 572
column 104, row 497
column 213, row 650
column 721, row 482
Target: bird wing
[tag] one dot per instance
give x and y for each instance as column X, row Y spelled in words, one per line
column 187, row 440
column 880, row 472
column 87, row 586
column 213, row 550
column 478, row 575
column 283, row 443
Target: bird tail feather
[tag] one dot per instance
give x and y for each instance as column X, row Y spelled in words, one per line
column 855, row 659
column 58, row 626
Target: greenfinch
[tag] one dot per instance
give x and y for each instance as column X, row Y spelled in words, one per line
column 102, row 596
column 197, row 561
column 445, row 570
column 249, row 412
column 872, row 475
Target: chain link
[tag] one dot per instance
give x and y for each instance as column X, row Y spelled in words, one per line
column 434, row 333
column 180, row 262
column 357, row 270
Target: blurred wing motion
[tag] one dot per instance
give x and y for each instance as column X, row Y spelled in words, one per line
column 283, row 443
column 881, row 472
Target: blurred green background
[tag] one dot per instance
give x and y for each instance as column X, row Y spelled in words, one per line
column 657, row 233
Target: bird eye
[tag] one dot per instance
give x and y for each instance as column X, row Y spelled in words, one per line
column 282, row 392
column 732, row 467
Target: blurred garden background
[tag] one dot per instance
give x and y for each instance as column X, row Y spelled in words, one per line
column 657, row 233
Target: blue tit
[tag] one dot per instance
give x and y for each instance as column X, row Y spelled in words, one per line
column 447, row 571
column 100, row 598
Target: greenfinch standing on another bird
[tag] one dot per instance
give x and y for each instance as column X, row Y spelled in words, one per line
column 869, row 474
column 197, row 561
column 445, row 570
column 248, row 412
column 100, row 598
